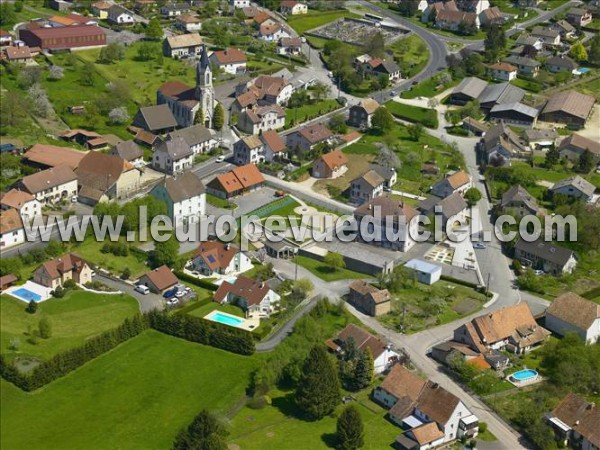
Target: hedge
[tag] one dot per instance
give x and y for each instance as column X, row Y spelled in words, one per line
column 458, row 281
column 592, row 293
column 196, row 281
column 425, row 116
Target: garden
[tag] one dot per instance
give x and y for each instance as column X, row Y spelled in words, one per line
column 425, row 116
column 326, row 272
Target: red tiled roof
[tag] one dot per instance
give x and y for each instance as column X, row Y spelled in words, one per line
column 162, row 278
column 250, row 290
column 215, row 254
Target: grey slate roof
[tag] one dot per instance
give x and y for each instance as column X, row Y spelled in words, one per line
column 128, row 150
column 522, row 61
column 194, row 135
column 501, row 93
column 536, row 135
column 471, row 87
column 578, row 183
column 562, row 61
column 546, row 251
column 158, row 117
column 176, row 148
column 544, row 32
column 450, row 206
column 384, row 172
column 517, row 107
column 183, row 187
column 518, row 193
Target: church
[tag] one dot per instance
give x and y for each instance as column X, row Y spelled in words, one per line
column 185, row 101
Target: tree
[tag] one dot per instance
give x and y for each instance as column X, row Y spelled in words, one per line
column 56, row 72
column 552, row 157
column 415, row 131
column 7, row 14
column 338, row 124
column 154, row 30
column 166, row 253
column 126, row 274
column 350, row 431
column 376, row 45
column 45, row 328
column 578, row 52
column 474, row 65
column 12, row 110
column 387, row 157
column 199, row 117
column 472, row 196
column 32, row 307
column 206, row 432
column 594, row 53
column 383, row 81
column 321, row 90
column 334, row 260
column 494, row 43
column 218, row 117
column 145, row 51
column 39, row 100
column 363, row 371
column 382, row 121
column 118, row 115
column 111, row 53
column 318, row 391
column 586, row 161
column 86, row 75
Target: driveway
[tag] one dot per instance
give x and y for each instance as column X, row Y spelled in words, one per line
column 147, row 302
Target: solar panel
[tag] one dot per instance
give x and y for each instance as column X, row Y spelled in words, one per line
column 211, row 258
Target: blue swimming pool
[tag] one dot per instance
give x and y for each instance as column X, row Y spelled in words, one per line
column 226, row 319
column 524, row 375
column 26, row 294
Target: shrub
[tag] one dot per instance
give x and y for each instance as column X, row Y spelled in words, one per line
column 32, row 307
column 59, row 292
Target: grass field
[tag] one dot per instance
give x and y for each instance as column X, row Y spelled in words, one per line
column 279, row 426
column 137, row 396
column 428, row 88
column 412, row 54
column 218, row 202
column 325, row 272
column 590, row 87
column 358, row 164
column 90, row 250
column 314, row 19
column 295, row 116
column 415, row 114
column 74, row 318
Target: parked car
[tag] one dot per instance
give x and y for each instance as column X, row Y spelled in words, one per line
column 539, row 272
column 142, row 289
column 279, row 193
column 172, row 301
column 479, row 245
column 220, row 158
column 179, row 294
column 170, row 293
column 74, row 199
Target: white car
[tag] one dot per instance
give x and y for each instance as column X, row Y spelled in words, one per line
column 479, row 245
column 74, row 199
column 539, row 272
column 142, row 289
column 220, row 159
column 172, row 301
column 179, row 294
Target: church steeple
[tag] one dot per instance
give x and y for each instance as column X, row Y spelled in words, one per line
column 203, row 70
column 204, row 86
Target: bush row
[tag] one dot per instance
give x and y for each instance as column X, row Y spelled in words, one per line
column 196, row 281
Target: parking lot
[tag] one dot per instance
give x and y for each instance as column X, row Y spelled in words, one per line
column 246, row 203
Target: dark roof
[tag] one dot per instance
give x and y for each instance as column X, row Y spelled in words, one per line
column 158, row 117
column 501, row 93
column 183, row 187
column 570, row 102
column 580, row 142
column 128, row 150
column 471, row 87
column 194, row 135
column 252, row 291
column 522, row 61
column 67, row 32
column 580, row 415
column 515, row 107
column 578, row 183
column 562, row 61
column 362, row 338
column 450, row 206
column 176, row 148
column 518, row 193
column 574, row 310
column 389, row 207
column 546, row 251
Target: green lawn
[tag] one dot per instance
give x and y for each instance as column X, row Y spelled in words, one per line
column 137, row 396
column 218, row 202
column 590, row 87
column 528, row 85
column 203, row 310
column 411, row 53
column 314, row 19
column 278, row 427
column 428, row 88
column 74, row 318
column 415, row 114
column 90, row 250
column 325, row 272
column 295, row 116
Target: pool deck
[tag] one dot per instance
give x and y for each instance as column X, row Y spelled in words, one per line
column 38, row 289
column 528, row 382
column 248, row 324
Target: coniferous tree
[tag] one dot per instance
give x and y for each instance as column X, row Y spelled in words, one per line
column 45, row 328
column 205, row 432
column 586, row 161
column 350, row 431
column 318, row 391
column 363, row 373
column 218, row 117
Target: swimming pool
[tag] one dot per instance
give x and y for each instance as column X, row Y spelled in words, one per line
column 26, row 294
column 524, row 375
column 224, row 318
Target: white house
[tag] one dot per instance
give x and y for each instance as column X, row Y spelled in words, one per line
column 172, row 156
column 51, row 185
column 25, row 203
column 170, row 10
column 11, row 228
column 240, row 3
column 271, row 31
column 459, row 181
column 184, row 196
column 230, row 60
column 214, row 258
column 183, row 45
column 383, row 355
column 262, row 118
column 250, row 295
column 199, row 138
column 120, row 16
column 289, row 46
column 576, row 423
column 293, row 8
column 188, row 23
column 571, row 313
column 257, row 149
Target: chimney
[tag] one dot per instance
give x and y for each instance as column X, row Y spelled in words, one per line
column 227, row 246
column 262, row 285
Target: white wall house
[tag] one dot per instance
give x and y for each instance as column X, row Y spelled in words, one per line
column 252, row 296
column 11, row 229
column 572, row 313
column 172, row 157
column 120, row 16
column 240, row 3
column 51, row 185
column 27, row 205
column 184, row 196
column 199, row 138
column 214, row 259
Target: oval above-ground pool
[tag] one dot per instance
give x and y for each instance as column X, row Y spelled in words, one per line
column 525, row 375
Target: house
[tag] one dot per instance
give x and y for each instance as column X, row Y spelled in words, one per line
column 188, row 23
column 512, row 328
column 459, row 181
column 100, row 9
column 11, row 228
column 476, row 6
column 540, row 139
column 376, row 67
column 368, row 299
column 429, row 414
column 171, row 10
column 274, row 145
column 61, row 38
column 455, row 20
column 362, row 113
column 491, row 16
column 308, row 137
column 80, row 136
column 389, row 221
column 475, row 126
column 18, row 55
column 389, row 175
column 261, row 118
column 453, row 208
column 525, row 39
column 571, row 313
column 70, row 20
column 51, row 185
column 130, row 152
column 498, row 94
column 366, row 187
column 569, row 107
column 526, row 67
column 56, row 272
column 186, row 101
column 330, row 165
column 183, row 45
column 561, row 63
column 254, row 297
column 517, row 201
column 102, row 177
column 249, row 149
column 173, row 156
column 236, row 182
column 549, row 36
column 546, row 256
column 271, row 31
column 120, row 16
column 236, row 4
column 579, row 17
column 158, row 280
column 293, row 8
column 445, row 351
column 565, row 29
column 25, row 203
column 383, row 355
column 7, row 280
column 501, row 144
column 184, row 196
column 230, row 60
column 574, row 187
column 515, row 114
column 576, row 423
column 434, row 8
column 157, row 119
column 575, row 145
column 5, row 38
column 43, row 156
column 146, row 138
column 262, row 91
column 469, row 89
column 214, row 258
column 427, row 273
column 502, row 71
column 289, row 46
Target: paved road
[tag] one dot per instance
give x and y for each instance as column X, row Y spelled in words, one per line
column 147, row 302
